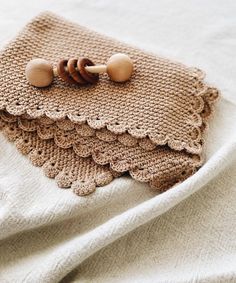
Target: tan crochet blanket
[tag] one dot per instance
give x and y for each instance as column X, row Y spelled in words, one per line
column 151, row 126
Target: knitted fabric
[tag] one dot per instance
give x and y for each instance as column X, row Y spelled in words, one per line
column 151, row 126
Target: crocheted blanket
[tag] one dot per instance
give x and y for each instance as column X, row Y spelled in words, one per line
column 151, row 126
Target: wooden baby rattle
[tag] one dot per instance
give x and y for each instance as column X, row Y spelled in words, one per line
column 40, row 72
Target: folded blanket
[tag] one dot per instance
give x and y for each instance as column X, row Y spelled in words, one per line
column 151, row 126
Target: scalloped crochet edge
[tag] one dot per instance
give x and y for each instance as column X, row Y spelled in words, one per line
column 207, row 96
column 63, row 178
column 137, row 173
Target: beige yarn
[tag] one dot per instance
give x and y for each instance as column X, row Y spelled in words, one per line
column 81, row 174
column 151, row 126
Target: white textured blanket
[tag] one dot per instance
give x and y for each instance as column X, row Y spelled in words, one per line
column 124, row 232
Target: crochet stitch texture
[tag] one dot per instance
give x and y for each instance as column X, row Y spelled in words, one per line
column 151, row 126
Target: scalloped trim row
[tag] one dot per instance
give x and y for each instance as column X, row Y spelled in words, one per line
column 64, row 177
column 143, row 175
column 202, row 106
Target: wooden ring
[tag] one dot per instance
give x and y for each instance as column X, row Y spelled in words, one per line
column 71, row 65
column 89, row 77
column 63, row 73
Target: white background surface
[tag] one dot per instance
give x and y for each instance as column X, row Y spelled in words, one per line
column 47, row 233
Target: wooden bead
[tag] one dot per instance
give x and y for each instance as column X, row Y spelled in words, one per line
column 39, row 72
column 119, row 67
